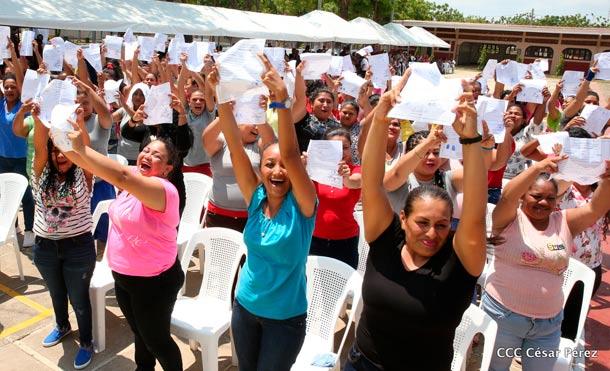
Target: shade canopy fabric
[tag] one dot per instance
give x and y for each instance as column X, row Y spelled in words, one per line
column 374, row 28
column 341, row 30
column 434, row 41
column 402, row 33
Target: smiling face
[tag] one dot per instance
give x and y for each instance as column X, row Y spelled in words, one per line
column 153, row 160
column 150, row 79
column 11, row 91
column 516, row 114
column 348, row 116
column 394, row 130
column 137, row 98
column 249, row 133
column 197, row 102
column 322, row 106
column 60, row 161
column 430, row 163
column 273, row 173
column 539, row 201
column 427, row 225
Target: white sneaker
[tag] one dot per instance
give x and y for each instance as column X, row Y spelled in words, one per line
column 28, row 239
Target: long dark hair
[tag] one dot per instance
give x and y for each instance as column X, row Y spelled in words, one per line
column 50, row 183
column 425, row 191
column 412, row 142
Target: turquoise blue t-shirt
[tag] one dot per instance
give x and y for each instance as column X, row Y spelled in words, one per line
column 11, row 146
column 272, row 281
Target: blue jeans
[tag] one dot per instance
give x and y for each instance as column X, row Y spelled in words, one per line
column 344, row 250
column 535, row 340
column 17, row 165
column 66, row 266
column 493, row 195
column 265, row 344
column 101, row 191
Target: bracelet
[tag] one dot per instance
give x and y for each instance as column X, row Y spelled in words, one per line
column 472, row 140
column 590, row 75
column 487, row 148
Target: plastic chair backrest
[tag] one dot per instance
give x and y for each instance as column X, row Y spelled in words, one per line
column 198, row 187
column 488, row 220
column 363, row 246
column 575, row 272
column 12, row 188
column 118, row 158
column 474, row 320
column 327, row 289
column 224, row 249
column 101, row 209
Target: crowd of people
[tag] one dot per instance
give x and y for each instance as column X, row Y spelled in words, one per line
column 423, row 214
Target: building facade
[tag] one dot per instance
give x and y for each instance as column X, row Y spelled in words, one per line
column 519, row 42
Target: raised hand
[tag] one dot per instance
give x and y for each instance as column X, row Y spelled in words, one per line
column 550, row 164
column 465, row 124
column 139, row 115
column 273, row 81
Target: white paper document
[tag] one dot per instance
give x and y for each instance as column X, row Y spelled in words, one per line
column 157, row 106
column 571, row 81
column 511, row 73
column 33, row 85
column 536, row 71
column 531, row 91
column 93, row 56
column 546, row 142
column 492, row 111
column 195, row 54
column 596, row 117
column 128, row 36
column 603, row 63
column 490, row 69
column 25, row 44
column 147, row 48
column 70, row 50
column 53, row 57
column 347, row 64
column 60, row 127
column 57, row 92
column 365, row 51
column 427, row 96
column 247, row 109
column 351, row 84
column 380, row 66
column 173, row 51
column 240, row 69
column 160, row 41
column 290, row 78
column 316, row 64
column 586, row 160
column 452, row 148
column 5, row 33
column 130, row 48
column 323, row 158
column 111, row 90
column 113, row 45
column 336, row 66
column 276, row 57
column 395, row 80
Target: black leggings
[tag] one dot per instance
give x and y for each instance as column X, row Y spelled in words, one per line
column 147, row 303
column 571, row 311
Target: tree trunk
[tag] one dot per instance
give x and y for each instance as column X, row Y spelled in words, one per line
column 344, row 9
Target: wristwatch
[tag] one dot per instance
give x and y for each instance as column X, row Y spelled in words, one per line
column 286, row 104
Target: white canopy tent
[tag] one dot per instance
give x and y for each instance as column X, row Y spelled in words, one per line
column 425, row 35
column 402, row 33
column 374, row 28
column 339, row 29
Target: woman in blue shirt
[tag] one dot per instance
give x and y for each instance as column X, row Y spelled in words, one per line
column 268, row 321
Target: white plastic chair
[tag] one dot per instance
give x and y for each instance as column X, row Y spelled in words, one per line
column 328, row 283
column 12, row 188
column 198, row 188
column 489, row 261
column 576, row 271
column 205, row 318
column 121, row 160
column 363, row 246
column 101, row 282
column 474, row 320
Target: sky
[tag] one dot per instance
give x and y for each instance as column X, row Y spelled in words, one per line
column 497, row 8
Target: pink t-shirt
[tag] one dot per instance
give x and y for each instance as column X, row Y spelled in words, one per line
column 527, row 270
column 142, row 241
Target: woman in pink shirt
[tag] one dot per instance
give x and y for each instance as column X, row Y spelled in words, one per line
column 523, row 292
column 142, row 250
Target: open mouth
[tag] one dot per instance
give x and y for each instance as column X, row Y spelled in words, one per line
column 145, row 166
column 429, row 243
column 277, row 182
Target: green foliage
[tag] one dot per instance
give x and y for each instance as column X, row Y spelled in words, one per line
column 482, row 58
column 560, row 66
column 381, row 11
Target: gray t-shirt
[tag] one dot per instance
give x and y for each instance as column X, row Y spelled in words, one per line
column 98, row 135
column 197, row 155
column 398, row 197
column 127, row 148
column 225, row 191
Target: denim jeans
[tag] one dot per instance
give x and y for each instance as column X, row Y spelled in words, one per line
column 535, row 340
column 265, row 344
column 493, row 195
column 344, row 250
column 148, row 303
column 66, row 266
column 356, row 361
column 17, row 165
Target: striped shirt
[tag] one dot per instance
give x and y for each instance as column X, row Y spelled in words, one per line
column 62, row 213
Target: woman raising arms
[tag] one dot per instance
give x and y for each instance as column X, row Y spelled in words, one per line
column 419, row 277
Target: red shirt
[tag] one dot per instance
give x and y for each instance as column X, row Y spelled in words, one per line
column 335, row 217
column 494, row 177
